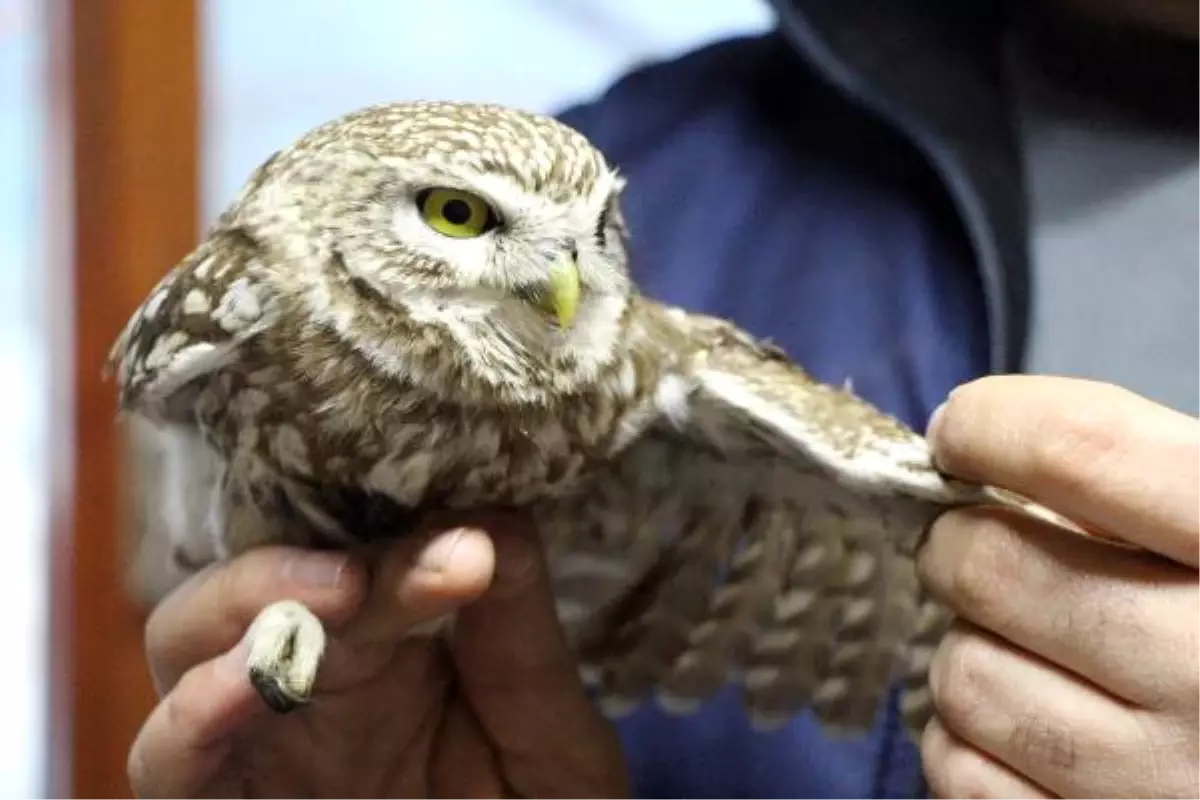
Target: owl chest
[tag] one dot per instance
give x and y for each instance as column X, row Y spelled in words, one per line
column 462, row 460
column 406, row 447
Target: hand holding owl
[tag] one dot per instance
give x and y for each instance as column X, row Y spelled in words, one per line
column 1073, row 671
column 500, row 711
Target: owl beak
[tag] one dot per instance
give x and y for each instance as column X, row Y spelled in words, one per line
column 562, row 299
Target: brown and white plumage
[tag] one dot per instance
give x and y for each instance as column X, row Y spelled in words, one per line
column 328, row 362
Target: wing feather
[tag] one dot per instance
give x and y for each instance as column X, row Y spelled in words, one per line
column 791, row 656
column 786, row 561
column 651, row 638
column 191, row 325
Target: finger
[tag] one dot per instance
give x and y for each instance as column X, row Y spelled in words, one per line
column 186, row 739
column 520, row 678
column 1078, row 603
column 465, row 765
column 954, row 768
column 1058, row 731
column 1096, row 453
column 421, row 578
column 211, row 611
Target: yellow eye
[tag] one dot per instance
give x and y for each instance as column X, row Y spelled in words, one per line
column 456, row 213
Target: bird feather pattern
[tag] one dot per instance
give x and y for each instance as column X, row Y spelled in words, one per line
column 423, row 306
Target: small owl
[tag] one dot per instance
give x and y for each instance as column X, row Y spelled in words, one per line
column 428, row 306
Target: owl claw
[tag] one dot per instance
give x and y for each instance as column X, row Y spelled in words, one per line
column 274, row 693
column 286, row 645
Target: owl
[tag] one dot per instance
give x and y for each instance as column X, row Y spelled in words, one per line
column 428, row 305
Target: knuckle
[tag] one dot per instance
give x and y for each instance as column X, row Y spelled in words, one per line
column 1073, row 442
column 982, row 574
column 1038, row 739
column 1092, row 613
column 962, row 683
column 967, row 420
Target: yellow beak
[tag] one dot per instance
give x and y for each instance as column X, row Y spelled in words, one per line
column 563, row 298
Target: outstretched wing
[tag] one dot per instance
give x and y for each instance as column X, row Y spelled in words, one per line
column 766, row 526
column 190, row 326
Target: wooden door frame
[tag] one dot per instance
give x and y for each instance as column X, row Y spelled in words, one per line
column 123, row 190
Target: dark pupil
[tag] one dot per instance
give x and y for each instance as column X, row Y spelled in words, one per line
column 456, row 212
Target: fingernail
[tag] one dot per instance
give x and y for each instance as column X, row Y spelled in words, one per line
column 319, row 570
column 437, row 554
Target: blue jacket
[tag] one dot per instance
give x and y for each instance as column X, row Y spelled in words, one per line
column 773, row 182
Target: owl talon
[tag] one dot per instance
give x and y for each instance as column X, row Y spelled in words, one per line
column 286, row 645
column 274, row 693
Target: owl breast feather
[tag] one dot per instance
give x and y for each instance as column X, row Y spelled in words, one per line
column 360, row 448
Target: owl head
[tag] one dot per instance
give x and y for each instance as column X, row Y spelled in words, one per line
column 497, row 230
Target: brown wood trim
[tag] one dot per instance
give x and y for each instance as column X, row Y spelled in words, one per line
column 124, row 206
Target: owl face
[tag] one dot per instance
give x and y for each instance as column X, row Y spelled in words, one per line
column 536, row 261
column 500, row 228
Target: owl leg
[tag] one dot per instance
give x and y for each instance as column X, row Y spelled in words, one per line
column 286, row 644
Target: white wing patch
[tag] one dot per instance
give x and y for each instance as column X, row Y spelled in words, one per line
column 180, row 366
column 239, row 308
column 885, row 466
column 193, row 323
column 672, row 398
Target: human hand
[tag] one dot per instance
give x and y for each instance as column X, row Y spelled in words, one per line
column 1073, row 670
column 499, row 712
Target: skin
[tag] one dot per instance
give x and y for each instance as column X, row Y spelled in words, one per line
column 500, row 713
column 1073, row 671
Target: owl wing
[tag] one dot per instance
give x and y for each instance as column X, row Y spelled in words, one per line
column 194, row 324
column 767, row 525
column 190, row 325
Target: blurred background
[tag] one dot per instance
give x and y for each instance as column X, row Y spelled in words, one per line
column 125, row 125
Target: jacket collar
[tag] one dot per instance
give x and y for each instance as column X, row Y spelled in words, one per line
column 933, row 69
